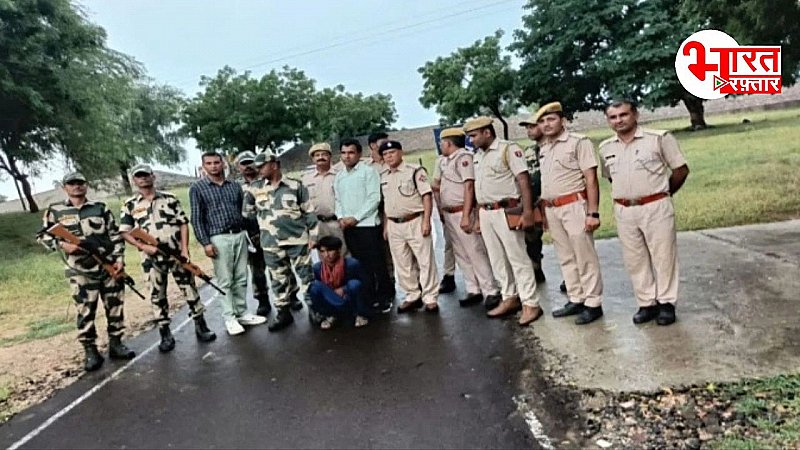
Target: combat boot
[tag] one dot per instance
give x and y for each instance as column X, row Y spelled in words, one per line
column 282, row 320
column 448, row 284
column 118, row 350
column 167, row 343
column 93, row 358
column 201, row 330
column 264, row 306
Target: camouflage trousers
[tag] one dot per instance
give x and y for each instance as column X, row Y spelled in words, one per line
column 156, row 273
column 283, row 263
column 85, row 292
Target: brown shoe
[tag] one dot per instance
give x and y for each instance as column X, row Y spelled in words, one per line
column 529, row 315
column 506, row 307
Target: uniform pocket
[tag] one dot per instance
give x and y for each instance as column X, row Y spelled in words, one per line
column 650, row 161
column 569, row 162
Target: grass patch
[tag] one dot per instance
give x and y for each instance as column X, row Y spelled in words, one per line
column 41, row 329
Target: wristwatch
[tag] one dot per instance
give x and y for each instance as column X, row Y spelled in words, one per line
column 596, row 215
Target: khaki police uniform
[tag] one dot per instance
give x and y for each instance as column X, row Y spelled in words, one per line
column 496, row 169
column 402, row 189
column 470, row 251
column 640, row 172
column 449, row 265
column 562, row 163
column 320, row 191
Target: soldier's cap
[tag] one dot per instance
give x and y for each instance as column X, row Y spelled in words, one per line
column 264, row 157
column 246, row 157
column 531, row 120
column 141, row 168
column 553, row 107
column 324, row 146
column 73, row 176
column 477, row 123
column 389, row 145
column 451, row 132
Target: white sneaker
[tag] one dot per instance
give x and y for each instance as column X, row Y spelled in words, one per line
column 233, row 327
column 251, row 319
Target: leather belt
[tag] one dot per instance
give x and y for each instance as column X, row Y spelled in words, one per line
column 641, row 200
column 507, row 203
column 330, row 218
column 564, row 199
column 233, row 230
column 407, row 218
column 453, row 209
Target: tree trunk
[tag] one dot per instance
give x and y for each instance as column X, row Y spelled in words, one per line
column 696, row 111
column 26, row 188
column 496, row 112
column 123, row 174
column 19, row 195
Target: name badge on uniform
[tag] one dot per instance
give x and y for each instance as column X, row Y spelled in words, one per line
column 69, row 220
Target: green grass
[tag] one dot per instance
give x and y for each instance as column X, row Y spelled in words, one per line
column 34, row 295
column 770, row 409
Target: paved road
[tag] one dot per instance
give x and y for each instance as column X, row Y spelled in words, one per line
column 410, row 381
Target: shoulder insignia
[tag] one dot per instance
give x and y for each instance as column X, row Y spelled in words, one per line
column 657, row 132
column 608, row 141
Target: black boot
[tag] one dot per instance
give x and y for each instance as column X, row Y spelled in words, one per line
column 264, row 306
column 563, row 287
column 447, row 285
column 295, row 303
column 666, row 314
column 645, row 314
column 470, row 299
column 589, row 315
column 570, row 309
column 93, row 359
column 282, row 320
column 492, row 301
column 201, row 330
column 167, row 343
column 118, row 350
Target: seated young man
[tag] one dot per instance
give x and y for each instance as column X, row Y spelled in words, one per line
column 336, row 290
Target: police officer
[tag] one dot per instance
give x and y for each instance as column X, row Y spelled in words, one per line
column 533, row 236
column 646, row 168
column 408, row 203
column 502, row 183
column 319, row 182
column 91, row 221
column 255, row 255
column 570, row 194
column 456, row 181
column 282, row 207
column 448, row 283
column 160, row 215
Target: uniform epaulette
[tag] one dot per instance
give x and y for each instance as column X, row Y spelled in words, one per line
column 608, row 141
column 578, row 135
column 129, row 199
column 165, row 194
column 657, row 132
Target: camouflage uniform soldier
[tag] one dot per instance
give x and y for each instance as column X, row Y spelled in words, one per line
column 160, row 215
column 533, row 236
column 288, row 232
column 255, row 256
column 94, row 222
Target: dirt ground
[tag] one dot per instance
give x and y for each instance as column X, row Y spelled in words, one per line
column 33, row 371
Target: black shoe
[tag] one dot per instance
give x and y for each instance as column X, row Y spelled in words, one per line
column 296, row 305
column 666, row 314
column 563, row 287
column 570, row 309
column 282, row 320
column 447, row 285
column 118, row 350
column 167, row 343
column 411, row 306
column 264, row 306
column 201, row 330
column 589, row 315
column 645, row 314
column 470, row 299
column 491, row 301
column 538, row 273
column 93, row 359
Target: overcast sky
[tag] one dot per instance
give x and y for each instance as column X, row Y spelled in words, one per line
column 368, row 46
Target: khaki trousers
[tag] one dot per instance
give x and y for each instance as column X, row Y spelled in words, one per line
column 580, row 265
column 650, row 250
column 470, row 254
column 506, row 248
column 412, row 255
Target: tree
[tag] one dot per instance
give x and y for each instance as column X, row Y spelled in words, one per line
column 39, row 41
column 473, row 80
column 336, row 113
column 584, row 53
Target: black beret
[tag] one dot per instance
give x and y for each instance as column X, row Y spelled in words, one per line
column 389, row 145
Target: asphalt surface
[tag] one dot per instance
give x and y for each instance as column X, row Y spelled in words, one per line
column 411, row 381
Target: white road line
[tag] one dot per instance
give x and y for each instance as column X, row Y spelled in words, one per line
column 35, row 432
column 534, row 424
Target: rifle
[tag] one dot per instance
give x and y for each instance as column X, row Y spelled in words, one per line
column 58, row 231
column 143, row 236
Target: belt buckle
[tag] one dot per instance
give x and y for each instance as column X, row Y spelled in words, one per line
column 634, row 202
